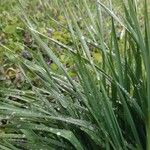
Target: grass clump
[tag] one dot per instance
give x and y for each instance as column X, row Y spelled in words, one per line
column 106, row 104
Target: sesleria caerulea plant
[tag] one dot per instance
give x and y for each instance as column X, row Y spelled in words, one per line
column 107, row 105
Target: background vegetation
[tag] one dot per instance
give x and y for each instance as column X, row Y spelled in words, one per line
column 74, row 75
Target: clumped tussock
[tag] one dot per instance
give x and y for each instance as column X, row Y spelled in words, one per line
column 105, row 104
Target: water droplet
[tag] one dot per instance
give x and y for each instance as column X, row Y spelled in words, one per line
column 96, row 44
column 58, row 133
column 21, row 118
column 26, row 107
column 92, row 27
column 23, row 136
column 65, row 78
column 58, row 108
column 91, row 128
column 98, row 78
column 82, row 38
column 23, row 93
column 118, row 102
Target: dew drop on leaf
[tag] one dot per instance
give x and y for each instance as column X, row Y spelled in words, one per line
column 58, row 133
column 23, row 136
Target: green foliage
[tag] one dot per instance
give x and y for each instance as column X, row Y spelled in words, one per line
column 87, row 87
